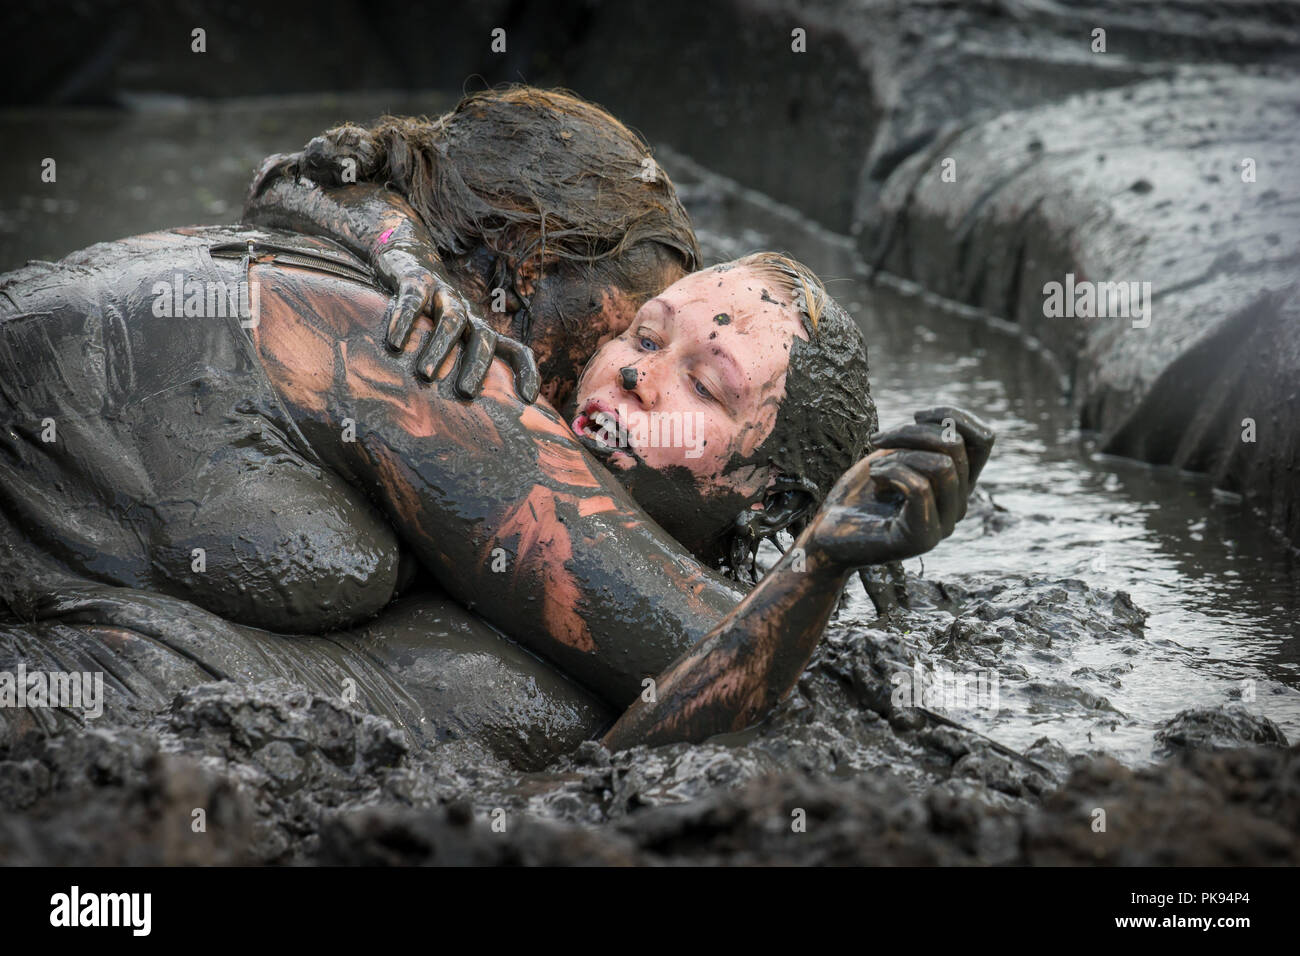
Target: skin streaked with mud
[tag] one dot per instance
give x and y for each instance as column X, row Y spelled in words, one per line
column 557, row 252
column 533, row 493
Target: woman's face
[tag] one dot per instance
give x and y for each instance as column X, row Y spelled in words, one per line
column 694, row 381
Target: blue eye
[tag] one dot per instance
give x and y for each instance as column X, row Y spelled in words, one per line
column 651, row 347
column 701, row 390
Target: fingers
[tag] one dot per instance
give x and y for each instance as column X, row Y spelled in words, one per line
column 933, row 493
column 901, row 503
column 403, row 310
column 931, row 438
column 318, row 161
column 478, row 359
column 915, row 527
column 483, row 346
column 325, row 155
column 978, row 436
column 450, row 325
column 416, row 288
column 528, row 381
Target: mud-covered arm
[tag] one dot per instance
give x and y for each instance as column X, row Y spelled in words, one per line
column 282, row 196
column 898, row 502
column 524, row 527
column 378, row 225
column 733, row 676
column 494, row 496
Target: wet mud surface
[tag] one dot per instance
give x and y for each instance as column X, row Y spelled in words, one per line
column 836, row 775
column 1157, row 186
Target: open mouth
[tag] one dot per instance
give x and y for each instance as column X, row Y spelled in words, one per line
column 600, row 429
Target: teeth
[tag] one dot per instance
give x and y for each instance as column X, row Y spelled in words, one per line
column 602, row 427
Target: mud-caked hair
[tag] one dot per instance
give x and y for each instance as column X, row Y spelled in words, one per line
column 522, row 171
column 825, row 421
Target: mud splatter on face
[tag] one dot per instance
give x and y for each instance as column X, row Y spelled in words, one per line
column 801, row 430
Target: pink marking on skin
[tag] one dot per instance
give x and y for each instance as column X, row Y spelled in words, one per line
column 383, row 237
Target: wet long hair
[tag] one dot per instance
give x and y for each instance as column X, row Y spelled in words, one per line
column 825, row 421
column 524, row 172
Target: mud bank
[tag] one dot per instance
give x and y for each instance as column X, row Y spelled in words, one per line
column 1172, row 191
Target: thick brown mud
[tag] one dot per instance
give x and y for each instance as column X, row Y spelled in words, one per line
column 839, row 774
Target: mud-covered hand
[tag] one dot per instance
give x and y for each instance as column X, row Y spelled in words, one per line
column 947, row 431
column 409, row 265
column 324, row 191
column 909, row 494
column 408, row 269
column 943, row 430
column 893, row 504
